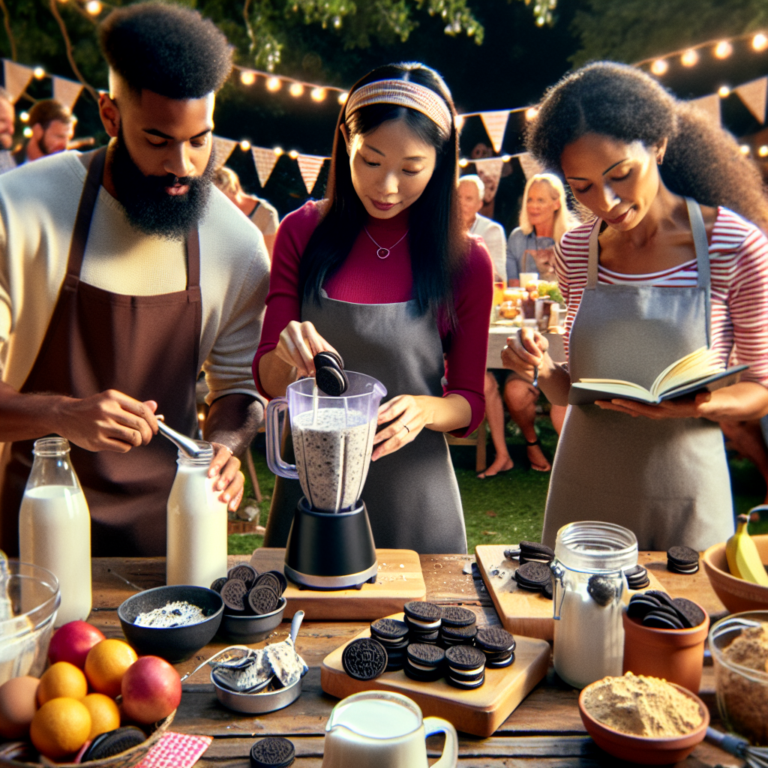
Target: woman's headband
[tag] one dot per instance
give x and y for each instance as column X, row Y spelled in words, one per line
column 403, row 93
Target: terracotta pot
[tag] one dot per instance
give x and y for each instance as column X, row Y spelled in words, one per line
column 675, row 655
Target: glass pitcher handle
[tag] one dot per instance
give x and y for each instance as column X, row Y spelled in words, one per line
column 274, row 460
column 450, row 756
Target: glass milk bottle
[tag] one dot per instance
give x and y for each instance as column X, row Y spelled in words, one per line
column 590, row 560
column 197, row 524
column 55, row 527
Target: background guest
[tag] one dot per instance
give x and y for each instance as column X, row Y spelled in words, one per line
column 259, row 211
column 7, row 127
column 52, row 127
column 470, row 195
column 544, row 219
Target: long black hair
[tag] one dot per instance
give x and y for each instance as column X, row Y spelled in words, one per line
column 702, row 160
column 437, row 243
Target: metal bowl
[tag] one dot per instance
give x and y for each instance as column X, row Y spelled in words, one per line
column 174, row 644
column 257, row 703
column 245, row 630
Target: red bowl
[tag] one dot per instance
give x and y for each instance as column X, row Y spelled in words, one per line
column 642, row 749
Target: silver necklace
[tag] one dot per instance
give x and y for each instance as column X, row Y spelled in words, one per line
column 381, row 251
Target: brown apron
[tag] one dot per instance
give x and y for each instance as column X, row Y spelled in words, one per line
column 144, row 346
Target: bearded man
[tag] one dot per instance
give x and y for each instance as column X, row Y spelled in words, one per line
column 123, row 273
column 52, row 126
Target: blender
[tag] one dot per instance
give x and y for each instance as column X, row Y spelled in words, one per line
column 330, row 545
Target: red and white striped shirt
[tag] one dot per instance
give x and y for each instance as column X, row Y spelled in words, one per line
column 738, row 254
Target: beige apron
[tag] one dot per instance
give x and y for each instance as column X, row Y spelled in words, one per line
column 666, row 480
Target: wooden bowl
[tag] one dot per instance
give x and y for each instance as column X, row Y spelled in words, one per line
column 20, row 756
column 735, row 594
column 641, row 749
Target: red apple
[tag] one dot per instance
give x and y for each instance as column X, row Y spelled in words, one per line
column 72, row 642
column 151, row 690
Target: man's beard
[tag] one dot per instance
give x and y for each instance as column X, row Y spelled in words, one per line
column 43, row 145
column 149, row 208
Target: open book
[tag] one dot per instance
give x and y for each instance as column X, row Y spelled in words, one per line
column 700, row 370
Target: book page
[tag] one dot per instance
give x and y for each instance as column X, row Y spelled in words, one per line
column 698, row 365
column 615, row 388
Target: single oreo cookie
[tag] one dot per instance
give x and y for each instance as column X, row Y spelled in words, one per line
column 534, row 551
column 271, row 580
column 662, row 620
column 683, row 555
column 426, row 616
column 466, row 685
column 458, row 635
column 503, row 661
column 425, row 655
column 113, row 743
column 601, row 590
column 453, row 616
column 262, row 600
column 640, row 605
column 364, row 658
column 465, row 659
column 533, row 576
column 244, row 572
column 330, row 358
column 389, row 631
column 219, row 583
column 233, row 594
column 495, row 640
column 662, row 597
column 688, row 612
column 272, row 752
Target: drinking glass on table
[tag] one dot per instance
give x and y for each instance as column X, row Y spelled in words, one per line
column 528, row 277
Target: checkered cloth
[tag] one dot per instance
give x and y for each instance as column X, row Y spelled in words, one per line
column 176, row 750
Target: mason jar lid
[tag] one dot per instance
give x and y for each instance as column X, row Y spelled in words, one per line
column 596, row 546
column 203, row 460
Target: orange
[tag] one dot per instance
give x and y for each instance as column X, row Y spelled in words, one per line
column 105, row 714
column 106, row 663
column 62, row 679
column 60, row 727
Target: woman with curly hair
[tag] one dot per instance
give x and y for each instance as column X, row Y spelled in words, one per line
column 383, row 273
column 673, row 260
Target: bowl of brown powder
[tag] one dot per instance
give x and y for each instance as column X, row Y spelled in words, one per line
column 643, row 719
column 739, row 645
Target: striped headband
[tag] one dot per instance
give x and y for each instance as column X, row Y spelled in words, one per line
column 404, row 94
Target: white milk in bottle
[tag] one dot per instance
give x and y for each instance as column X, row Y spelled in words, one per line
column 197, row 525
column 55, row 527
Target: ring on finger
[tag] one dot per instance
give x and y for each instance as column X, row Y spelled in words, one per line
column 407, row 428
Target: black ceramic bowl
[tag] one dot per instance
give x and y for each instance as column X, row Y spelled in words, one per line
column 251, row 629
column 174, row 644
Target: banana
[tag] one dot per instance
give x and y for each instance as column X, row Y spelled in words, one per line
column 743, row 558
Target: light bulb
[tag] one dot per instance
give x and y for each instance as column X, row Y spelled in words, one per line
column 274, row 84
column 760, row 42
column 245, row 145
column 659, row 67
column 277, row 150
column 343, row 97
column 318, row 94
column 723, row 49
column 689, row 58
column 744, row 149
column 24, row 117
column 530, row 113
column 463, row 163
column 293, row 154
column 247, row 77
column 39, row 73
column 93, row 7
column 763, row 151
column 723, row 91
column 296, row 89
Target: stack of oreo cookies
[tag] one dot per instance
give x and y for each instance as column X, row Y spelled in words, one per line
column 536, row 577
column 466, row 666
column 637, row 578
column 424, row 662
column 247, row 592
column 364, row 659
column 457, row 626
column 497, row 645
column 682, row 560
column 393, row 635
column 534, row 552
column 658, row 610
column 423, row 621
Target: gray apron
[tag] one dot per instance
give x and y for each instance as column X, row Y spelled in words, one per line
column 411, row 495
column 666, row 480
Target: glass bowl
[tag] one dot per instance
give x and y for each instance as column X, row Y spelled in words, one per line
column 742, row 692
column 29, row 599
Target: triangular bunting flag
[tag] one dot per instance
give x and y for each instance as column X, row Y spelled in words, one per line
column 489, row 167
column 66, row 91
column 753, row 95
column 495, row 124
column 222, row 149
column 310, row 166
column 17, row 78
column 264, row 159
column 530, row 165
column 709, row 104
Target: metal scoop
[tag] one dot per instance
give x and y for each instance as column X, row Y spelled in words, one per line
column 191, row 447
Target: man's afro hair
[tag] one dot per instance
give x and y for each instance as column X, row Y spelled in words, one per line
column 166, row 49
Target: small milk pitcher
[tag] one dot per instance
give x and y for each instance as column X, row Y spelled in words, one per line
column 378, row 729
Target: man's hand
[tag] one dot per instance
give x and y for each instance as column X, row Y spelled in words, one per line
column 225, row 469
column 108, row 421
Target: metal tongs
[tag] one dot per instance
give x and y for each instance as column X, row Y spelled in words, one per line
column 191, row 447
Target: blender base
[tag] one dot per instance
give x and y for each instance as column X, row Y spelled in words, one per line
column 330, row 551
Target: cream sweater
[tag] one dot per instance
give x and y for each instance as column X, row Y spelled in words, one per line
column 38, row 204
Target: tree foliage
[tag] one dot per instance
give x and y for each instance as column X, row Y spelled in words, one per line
column 634, row 30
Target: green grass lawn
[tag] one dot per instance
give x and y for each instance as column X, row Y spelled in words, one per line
column 510, row 507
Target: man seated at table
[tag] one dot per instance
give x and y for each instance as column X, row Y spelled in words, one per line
column 52, row 126
column 123, row 272
column 471, row 190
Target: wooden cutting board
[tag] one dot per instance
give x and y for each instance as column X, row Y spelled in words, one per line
column 480, row 711
column 399, row 581
column 521, row 611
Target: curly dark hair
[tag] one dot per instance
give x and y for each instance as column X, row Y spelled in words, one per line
column 166, row 49
column 702, row 161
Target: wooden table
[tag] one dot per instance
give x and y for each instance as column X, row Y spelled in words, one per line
column 545, row 730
